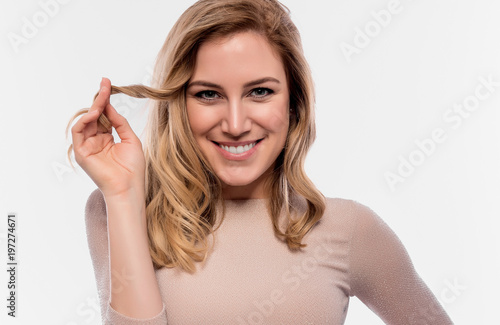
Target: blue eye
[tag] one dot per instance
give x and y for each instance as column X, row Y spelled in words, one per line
column 208, row 95
column 261, row 92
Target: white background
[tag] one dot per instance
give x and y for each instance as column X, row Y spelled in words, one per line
column 371, row 108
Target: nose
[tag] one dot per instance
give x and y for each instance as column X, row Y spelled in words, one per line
column 236, row 121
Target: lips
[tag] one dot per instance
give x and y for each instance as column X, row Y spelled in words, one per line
column 232, row 150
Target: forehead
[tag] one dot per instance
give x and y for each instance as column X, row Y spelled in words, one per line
column 245, row 55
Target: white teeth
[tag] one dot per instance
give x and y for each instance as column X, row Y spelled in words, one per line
column 239, row 149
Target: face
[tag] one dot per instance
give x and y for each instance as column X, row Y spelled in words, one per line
column 238, row 109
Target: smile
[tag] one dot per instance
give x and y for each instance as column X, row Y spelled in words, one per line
column 238, row 149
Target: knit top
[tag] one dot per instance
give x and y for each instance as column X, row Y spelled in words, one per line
column 251, row 277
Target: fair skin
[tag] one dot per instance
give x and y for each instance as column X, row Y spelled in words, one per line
column 238, row 96
column 118, row 170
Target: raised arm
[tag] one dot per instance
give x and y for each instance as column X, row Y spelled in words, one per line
column 118, row 171
column 384, row 278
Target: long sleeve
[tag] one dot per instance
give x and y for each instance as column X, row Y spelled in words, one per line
column 97, row 237
column 383, row 277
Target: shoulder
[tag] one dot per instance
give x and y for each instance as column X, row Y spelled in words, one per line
column 379, row 270
column 344, row 222
column 346, row 205
column 374, row 248
column 359, row 225
column 352, row 212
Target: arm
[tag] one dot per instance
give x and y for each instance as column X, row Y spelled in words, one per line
column 122, row 282
column 124, row 268
column 383, row 277
column 134, row 291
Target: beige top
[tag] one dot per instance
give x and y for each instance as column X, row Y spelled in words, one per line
column 251, row 277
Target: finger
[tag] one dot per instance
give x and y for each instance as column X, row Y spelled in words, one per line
column 121, row 125
column 98, row 105
column 77, row 129
column 86, row 126
column 106, row 83
column 103, row 97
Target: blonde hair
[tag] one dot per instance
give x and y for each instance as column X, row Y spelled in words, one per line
column 182, row 190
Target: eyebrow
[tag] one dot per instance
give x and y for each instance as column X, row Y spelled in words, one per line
column 248, row 84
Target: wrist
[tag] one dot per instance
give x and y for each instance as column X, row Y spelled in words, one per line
column 132, row 192
column 130, row 205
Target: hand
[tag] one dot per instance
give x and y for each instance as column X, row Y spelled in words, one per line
column 115, row 168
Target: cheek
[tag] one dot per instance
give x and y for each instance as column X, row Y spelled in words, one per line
column 276, row 118
column 200, row 120
column 278, row 123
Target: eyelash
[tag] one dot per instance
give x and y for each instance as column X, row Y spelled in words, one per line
column 201, row 94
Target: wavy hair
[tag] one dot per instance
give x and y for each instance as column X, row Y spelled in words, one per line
column 182, row 190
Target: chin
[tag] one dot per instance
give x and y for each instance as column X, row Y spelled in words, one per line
column 244, row 185
column 238, row 180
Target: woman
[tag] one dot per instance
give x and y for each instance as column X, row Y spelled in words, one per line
column 215, row 222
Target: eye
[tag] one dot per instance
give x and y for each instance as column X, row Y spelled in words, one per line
column 208, row 95
column 261, row 92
